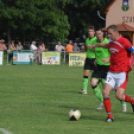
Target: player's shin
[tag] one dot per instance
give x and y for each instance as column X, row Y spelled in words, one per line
column 98, row 93
column 107, row 104
column 85, row 82
column 127, row 98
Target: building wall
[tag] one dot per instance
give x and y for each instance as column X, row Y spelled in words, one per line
column 116, row 15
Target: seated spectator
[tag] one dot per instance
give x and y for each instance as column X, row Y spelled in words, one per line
column 69, row 48
column 12, row 48
column 20, row 47
column 41, row 49
column 34, row 48
column 2, row 45
column 59, row 47
column 76, row 48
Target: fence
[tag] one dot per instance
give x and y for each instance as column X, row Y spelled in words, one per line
column 46, row 57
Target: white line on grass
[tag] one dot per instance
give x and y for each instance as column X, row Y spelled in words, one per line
column 5, row 131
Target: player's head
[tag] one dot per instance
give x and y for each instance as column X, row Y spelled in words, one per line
column 91, row 31
column 113, row 32
column 99, row 33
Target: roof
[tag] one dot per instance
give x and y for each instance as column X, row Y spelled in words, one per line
column 105, row 9
column 122, row 28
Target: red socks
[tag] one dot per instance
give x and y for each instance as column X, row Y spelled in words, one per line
column 107, row 104
column 128, row 99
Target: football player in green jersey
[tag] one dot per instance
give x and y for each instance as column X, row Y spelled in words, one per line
column 89, row 62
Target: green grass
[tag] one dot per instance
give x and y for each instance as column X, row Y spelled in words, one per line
column 37, row 100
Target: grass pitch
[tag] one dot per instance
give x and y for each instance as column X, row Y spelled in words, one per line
column 37, row 100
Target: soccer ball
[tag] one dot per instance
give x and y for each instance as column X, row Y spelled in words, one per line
column 74, row 115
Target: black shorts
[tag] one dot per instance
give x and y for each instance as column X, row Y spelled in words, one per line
column 89, row 64
column 100, row 72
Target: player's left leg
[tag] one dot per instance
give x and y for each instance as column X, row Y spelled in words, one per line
column 97, row 91
column 120, row 95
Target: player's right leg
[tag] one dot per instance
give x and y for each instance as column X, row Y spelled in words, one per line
column 109, row 85
column 89, row 65
column 107, row 102
column 85, row 82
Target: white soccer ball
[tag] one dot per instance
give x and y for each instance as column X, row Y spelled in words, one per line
column 74, row 115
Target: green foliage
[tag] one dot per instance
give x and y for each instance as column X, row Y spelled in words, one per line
column 34, row 19
column 48, row 20
column 83, row 13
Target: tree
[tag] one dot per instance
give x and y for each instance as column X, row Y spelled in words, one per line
column 30, row 19
column 83, row 13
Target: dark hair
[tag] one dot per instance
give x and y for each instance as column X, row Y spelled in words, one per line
column 113, row 27
column 98, row 29
column 91, row 27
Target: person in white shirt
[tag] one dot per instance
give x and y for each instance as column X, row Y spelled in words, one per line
column 59, row 47
column 34, row 48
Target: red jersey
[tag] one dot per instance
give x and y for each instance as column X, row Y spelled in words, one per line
column 120, row 55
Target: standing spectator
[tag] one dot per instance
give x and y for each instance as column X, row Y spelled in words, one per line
column 76, row 48
column 34, row 49
column 69, row 48
column 41, row 49
column 12, row 48
column 20, row 47
column 59, row 47
column 2, row 45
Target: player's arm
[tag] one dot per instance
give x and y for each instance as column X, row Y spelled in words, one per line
column 106, row 60
column 104, row 45
column 131, row 49
column 95, row 63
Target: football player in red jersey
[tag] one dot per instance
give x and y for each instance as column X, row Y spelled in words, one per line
column 117, row 77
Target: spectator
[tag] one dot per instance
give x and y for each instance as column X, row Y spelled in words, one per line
column 20, row 47
column 34, row 49
column 41, row 49
column 59, row 47
column 69, row 48
column 12, row 48
column 76, row 48
column 2, row 45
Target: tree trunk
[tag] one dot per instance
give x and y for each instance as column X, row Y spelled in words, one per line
column 9, row 36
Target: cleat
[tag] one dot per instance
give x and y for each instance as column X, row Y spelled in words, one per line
column 83, row 91
column 124, row 108
column 101, row 106
column 132, row 106
column 109, row 119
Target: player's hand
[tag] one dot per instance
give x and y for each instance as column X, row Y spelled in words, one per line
column 105, row 60
column 95, row 63
column 89, row 46
column 92, row 47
